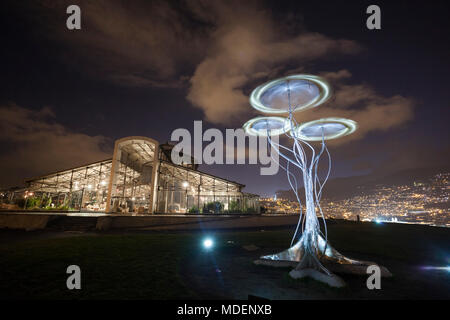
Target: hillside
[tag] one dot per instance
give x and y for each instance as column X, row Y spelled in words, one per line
column 342, row 188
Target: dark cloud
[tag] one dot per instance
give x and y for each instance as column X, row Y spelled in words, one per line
column 36, row 144
column 143, row 43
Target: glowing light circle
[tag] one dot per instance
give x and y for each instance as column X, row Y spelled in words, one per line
column 306, row 91
column 329, row 128
column 267, row 126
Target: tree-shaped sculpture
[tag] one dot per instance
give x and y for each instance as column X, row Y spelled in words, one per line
column 310, row 253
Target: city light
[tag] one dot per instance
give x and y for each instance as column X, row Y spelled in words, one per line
column 387, row 203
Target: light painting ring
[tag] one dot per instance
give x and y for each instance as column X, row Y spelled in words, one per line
column 322, row 85
column 350, row 127
column 284, row 122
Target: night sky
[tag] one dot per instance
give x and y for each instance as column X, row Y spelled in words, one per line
column 149, row 67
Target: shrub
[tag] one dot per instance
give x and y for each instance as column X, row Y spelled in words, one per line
column 33, row 203
column 234, row 206
column 213, row 207
column 250, row 210
column 193, row 209
column 20, row 202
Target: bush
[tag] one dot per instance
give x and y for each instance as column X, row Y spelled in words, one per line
column 213, row 207
column 49, row 203
column 20, row 202
column 250, row 210
column 193, row 209
column 234, row 207
column 33, row 203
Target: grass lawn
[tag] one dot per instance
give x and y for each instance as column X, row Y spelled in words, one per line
column 175, row 266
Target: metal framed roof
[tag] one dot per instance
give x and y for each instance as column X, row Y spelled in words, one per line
column 55, row 173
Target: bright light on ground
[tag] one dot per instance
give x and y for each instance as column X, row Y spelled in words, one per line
column 208, row 243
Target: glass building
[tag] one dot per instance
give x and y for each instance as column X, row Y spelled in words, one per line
column 140, row 178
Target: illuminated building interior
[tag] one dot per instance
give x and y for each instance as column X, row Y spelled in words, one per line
column 135, row 181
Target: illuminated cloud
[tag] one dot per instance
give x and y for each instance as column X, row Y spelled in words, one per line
column 216, row 48
column 245, row 50
column 219, row 50
column 361, row 103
